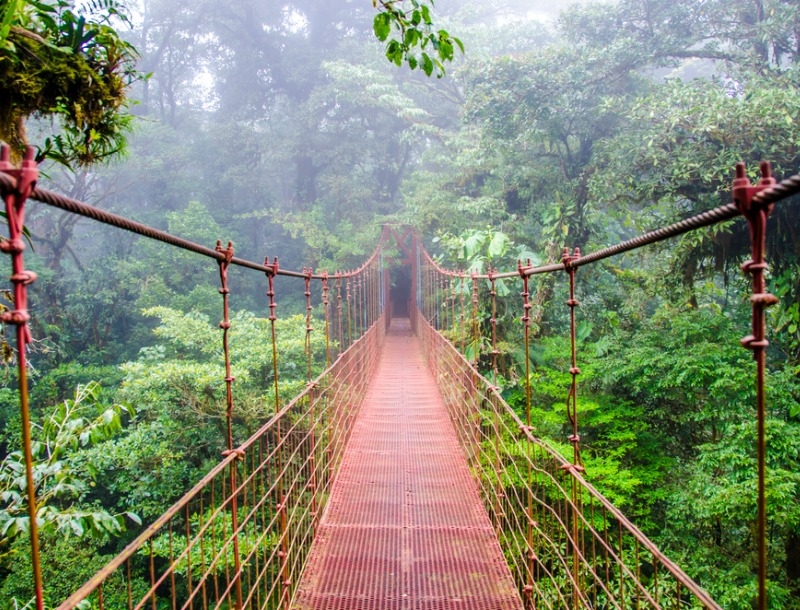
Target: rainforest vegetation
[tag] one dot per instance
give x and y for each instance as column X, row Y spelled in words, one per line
column 298, row 128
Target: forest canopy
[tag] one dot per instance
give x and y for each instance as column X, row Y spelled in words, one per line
column 289, row 129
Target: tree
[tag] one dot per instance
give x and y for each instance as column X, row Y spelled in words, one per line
column 69, row 64
column 74, row 425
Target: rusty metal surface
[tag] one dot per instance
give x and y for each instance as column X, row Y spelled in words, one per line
column 566, row 545
column 405, row 526
column 241, row 537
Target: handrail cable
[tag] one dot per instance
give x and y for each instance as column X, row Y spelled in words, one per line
column 779, row 192
column 754, row 202
column 68, row 204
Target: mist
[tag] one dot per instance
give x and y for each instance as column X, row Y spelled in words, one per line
column 292, row 130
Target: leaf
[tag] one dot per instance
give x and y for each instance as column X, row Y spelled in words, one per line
column 382, row 26
column 426, row 14
column 498, row 245
column 76, row 525
column 502, row 288
column 427, row 64
column 583, row 330
column 473, row 244
column 7, row 18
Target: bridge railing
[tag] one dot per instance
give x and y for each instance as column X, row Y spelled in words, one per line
column 241, row 536
column 567, row 546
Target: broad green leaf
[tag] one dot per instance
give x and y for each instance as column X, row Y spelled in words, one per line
column 498, row 245
column 382, row 26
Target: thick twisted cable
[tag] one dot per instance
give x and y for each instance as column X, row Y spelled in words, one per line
column 704, row 219
column 80, row 208
column 782, row 190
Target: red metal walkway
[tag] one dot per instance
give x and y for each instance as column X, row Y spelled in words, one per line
column 405, row 527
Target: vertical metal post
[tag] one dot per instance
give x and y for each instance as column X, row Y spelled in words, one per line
column 339, row 311
column 476, row 332
column 225, row 325
column 756, row 215
column 312, row 398
column 280, row 507
column 463, row 315
column 326, row 305
column 26, row 178
column 420, row 294
column 526, row 324
column 498, row 491
column 572, row 414
column 349, row 314
column 356, row 303
column 453, row 309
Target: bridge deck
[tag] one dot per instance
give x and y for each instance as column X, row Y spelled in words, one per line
column 405, row 527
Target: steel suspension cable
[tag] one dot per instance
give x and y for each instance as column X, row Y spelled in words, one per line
column 68, row 204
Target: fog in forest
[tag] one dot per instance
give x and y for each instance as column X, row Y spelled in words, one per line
column 293, row 130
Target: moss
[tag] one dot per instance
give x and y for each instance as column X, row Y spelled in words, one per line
column 85, row 90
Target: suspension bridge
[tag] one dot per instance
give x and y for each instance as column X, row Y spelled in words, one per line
column 398, row 477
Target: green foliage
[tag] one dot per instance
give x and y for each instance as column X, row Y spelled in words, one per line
column 680, row 142
column 154, row 464
column 694, row 387
column 74, row 425
column 185, row 370
column 252, row 543
column 176, row 278
column 56, row 62
column 413, row 22
column 64, row 565
column 479, row 250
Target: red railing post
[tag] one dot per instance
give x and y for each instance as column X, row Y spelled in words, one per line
column 326, row 306
column 280, row 505
column 756, row 215
column 225, row 325
column 528, row 588
column 339, row 323
column 349, row 314
column 26, row 178
column 572, row 414
column 498, row 491
column 476, row 333
column 312, row 398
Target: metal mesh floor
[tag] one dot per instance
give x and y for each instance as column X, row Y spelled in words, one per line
column 405, row 527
